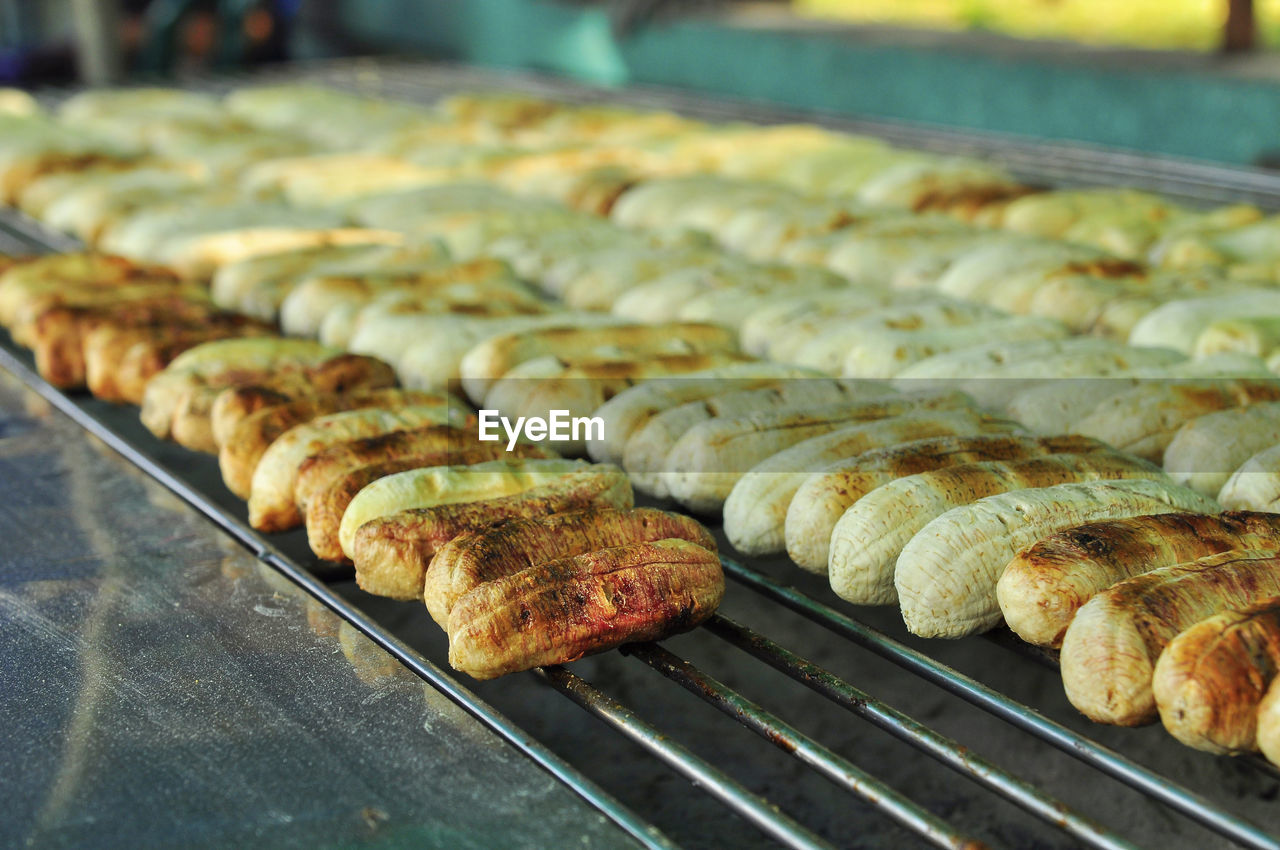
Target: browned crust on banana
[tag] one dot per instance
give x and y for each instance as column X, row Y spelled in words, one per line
column 516, row 544
column 57, row 333
column 253, row 434
column 1211, row 678
column 1110, row 650
column 326, row 504
column 559, row 611
column 391, row 553
column 192, row 425
column 120, row 360
column 1048, row 582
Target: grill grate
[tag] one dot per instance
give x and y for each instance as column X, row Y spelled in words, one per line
column 1056, row 164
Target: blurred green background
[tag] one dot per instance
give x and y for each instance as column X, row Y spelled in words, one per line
column 1181, row 24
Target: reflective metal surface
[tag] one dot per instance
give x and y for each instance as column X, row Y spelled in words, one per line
column 161, row 687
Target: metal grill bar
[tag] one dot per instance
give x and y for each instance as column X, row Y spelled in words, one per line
column 790, row 740
column 940, row 747
column 714, row 781
column 1108, row 761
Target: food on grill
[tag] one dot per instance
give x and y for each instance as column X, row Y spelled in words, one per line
column 32, row 146
column 197, row 239
column 304, row 309
column 790, row 321
column 558, row 611
column 994, row 373
column 513, row 545
column 493, row 358
column 946, row 574
column 1053, row 406
column 645, row 454
column 1110, row 649
column 319, row 471
column 827, row 493
column 391, row 552
column 755, row 511
column 120, row 359
column 873, row 533
column 433, row 357
column 1209, row 680
column 58, row 333
column 704, row 465
column 577, row 388
column 829, row 345
column 1256, row 335
column 178, row 402
column 1268, row 735
column 55, row 278
column 428, row 243
column 327, row 482
column 1179, row 324
column 1255, row 486
column 256, row 284
column 630, row 410
column 1045, row 584
column 272, row 504
column 245, row 438
column 1205, row 451
column 887, row 352
column 447, row 484
column 1144, row 420
column 218, row 365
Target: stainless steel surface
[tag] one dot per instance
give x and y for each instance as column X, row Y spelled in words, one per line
column 1102, row 771
column 1159, row 787
column 795, row 743
column 161, row 687
column 753, row 808
column 945, row 750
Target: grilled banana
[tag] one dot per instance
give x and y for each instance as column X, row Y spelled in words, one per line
column 826, row 494
column 327, row 497
column 1110, row 650
column 440, row 485
column 946, row 575
column 510, row 546
column 755, row 511
column 253, row 434
column 558, row 611
column 1205, row 451
column 1043, row 587
column 645, row 455
column 391, row 553
column 272, row 506
column 494, row 357
column 631, row 409
column 1143, row 420
column 705, row 464
column 868, row 539
column 1209, row 680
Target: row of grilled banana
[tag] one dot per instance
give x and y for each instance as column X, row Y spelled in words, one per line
column 788, row 312
column 381, row 476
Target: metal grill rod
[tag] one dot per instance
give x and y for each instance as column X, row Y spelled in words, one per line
column 904, row 728
column 1108, row 761
column 787, row 738
column 758, row 811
